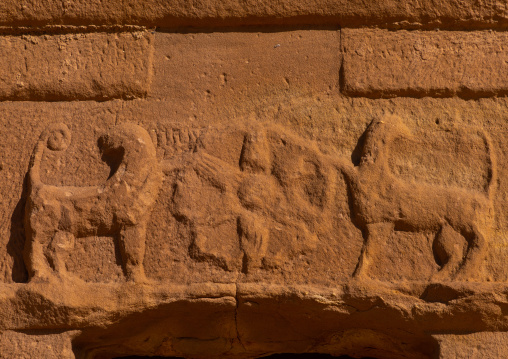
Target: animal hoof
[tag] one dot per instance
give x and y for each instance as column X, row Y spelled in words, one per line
column 139, row 278
column 442, row 276
column 40, row 278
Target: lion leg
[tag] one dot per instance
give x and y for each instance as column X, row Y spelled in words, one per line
column 35, row 261
column 448, row 249
column 36, row 256
column 253, row 240
column 61, row 243
column 374, row 236
column 132, row 249
column 475, row 254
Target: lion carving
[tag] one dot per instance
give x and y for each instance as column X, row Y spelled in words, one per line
column 382, row 202
column 120, row 207
column 379, row 201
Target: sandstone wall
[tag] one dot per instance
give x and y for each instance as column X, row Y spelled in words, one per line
column 239, row 178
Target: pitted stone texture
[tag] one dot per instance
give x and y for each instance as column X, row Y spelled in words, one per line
column 76, row 66
column 55, row 216
column 207, row 70
column 482, row 345
column 36, row 344
column 381, row 63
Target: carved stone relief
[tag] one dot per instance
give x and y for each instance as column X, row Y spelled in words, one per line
column 381, row 203
column 55, row 216
column 275, row 183
column 267, row 189
column 241, row 192
column 260, row 203
column 273, row 187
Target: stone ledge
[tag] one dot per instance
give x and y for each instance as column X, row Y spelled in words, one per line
column 360, row 318
column 386, row 13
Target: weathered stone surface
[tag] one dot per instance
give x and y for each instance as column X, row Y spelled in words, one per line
column 34, row 344
column 75, row 66
column 244, row 205
column 475, row 345
column 381, row 63
column 346, row 13
column 245, row 66
column 315, row 264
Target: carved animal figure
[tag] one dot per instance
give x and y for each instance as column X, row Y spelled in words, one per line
column 55, row 215
column 279, row 182
column 382, row 202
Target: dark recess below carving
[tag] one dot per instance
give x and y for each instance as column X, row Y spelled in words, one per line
column 274, row 356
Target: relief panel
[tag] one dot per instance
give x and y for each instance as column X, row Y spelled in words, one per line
column 246, row 205
column 261, row 202
column 234, row 194
column 275, row 200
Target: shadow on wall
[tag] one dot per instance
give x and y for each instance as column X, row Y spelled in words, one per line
column 17, row 239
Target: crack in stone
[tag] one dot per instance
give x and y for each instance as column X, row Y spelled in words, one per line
column 236, row 317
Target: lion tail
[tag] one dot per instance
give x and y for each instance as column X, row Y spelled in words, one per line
column 56, row 138
column 493, row 170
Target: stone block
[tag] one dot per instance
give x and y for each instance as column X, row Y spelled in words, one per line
column 75, row 66
column 382, row 63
